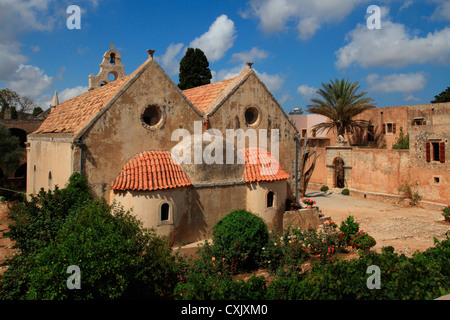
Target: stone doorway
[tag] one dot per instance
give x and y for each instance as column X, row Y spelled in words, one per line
column 339, row 173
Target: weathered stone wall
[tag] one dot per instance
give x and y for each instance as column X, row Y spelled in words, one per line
column 304, row 219
column 119, row 135
column 50, row 163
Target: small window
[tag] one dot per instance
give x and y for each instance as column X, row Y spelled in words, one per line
column 418, row 122
column 251, row 115
column 313, row 133
column 270, row 198
column 304, row 133
column 152, row 115
column 436, row 180
column 164, row 212
column 389, row 128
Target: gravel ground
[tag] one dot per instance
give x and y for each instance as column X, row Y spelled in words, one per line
column 406, row 228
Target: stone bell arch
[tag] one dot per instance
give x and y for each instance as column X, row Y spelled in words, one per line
column 111, row 69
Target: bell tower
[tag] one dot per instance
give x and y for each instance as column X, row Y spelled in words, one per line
column 111, row 69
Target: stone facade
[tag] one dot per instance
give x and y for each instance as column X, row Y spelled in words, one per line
column 101, row 132
column 425, row 167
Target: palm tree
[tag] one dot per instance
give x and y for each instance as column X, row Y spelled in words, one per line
column 341, row 103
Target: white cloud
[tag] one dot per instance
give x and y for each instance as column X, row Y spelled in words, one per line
column 393, row 46
column 273, row 82
column 249, row 56
column 217, row 40
column 227, row 73
column 442, row 11
column 406, row 5
column 29, row 81
column 309, row 16
column 20, row 15
column 169, row 60
column 404, row 83
column 10, row 60
column 69, row 93
column 307, row 92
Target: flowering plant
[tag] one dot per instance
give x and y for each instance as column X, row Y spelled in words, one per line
column 294, row 205
column 308, row 201
column 446, row 212
column 362, row 240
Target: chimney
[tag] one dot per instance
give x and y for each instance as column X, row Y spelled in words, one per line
column 150, row 52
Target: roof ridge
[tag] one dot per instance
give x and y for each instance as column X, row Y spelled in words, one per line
column 207, row 97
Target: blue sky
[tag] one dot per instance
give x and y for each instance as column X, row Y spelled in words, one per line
column 295, row 44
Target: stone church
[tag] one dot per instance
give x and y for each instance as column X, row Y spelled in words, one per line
column 120, row 134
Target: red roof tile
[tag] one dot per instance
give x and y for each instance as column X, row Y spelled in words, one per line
column 206, row 97
column 74, row 114
column 258, row 166
column 154, row 170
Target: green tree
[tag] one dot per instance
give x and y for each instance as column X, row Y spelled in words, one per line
column 37, row 111
column 402, row 142
column 341, row 103
column 20, row 106
column 444, row 96
column 117, row 257
column 194, row 69
column 10, row 150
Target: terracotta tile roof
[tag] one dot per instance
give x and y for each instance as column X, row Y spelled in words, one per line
column 74, row 114
column 154, row 170
column 206, row 97
column 258, row 167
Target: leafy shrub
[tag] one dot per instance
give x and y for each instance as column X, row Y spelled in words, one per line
column 446, row 212
column 209, row 278
column 345, row 192
column 117, row 257
column 423, row 276
column 324, row 188
column 362, row 240
column 239, row 238
column 36, row 222
column 349, row 228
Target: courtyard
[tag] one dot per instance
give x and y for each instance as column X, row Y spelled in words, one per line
column 406, row 228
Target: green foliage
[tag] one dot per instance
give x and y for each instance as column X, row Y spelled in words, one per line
column 10, row 151
column 362, row 240
column 239, row 238
column 444, row 96
column 37, row 111
column 345, row 192
column 18, row 105
column 407, row 190
column 446, row 212
column 402, row 142
column 116, row 256
column 349, row 228
column 36, row 222
column 324, row 188
column 194, row 69
column 341, row 102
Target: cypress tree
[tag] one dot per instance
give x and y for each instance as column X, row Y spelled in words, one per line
column 194, row 69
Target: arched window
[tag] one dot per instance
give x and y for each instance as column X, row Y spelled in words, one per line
column 164, row 213
column 270, row 198
column 112, row 58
